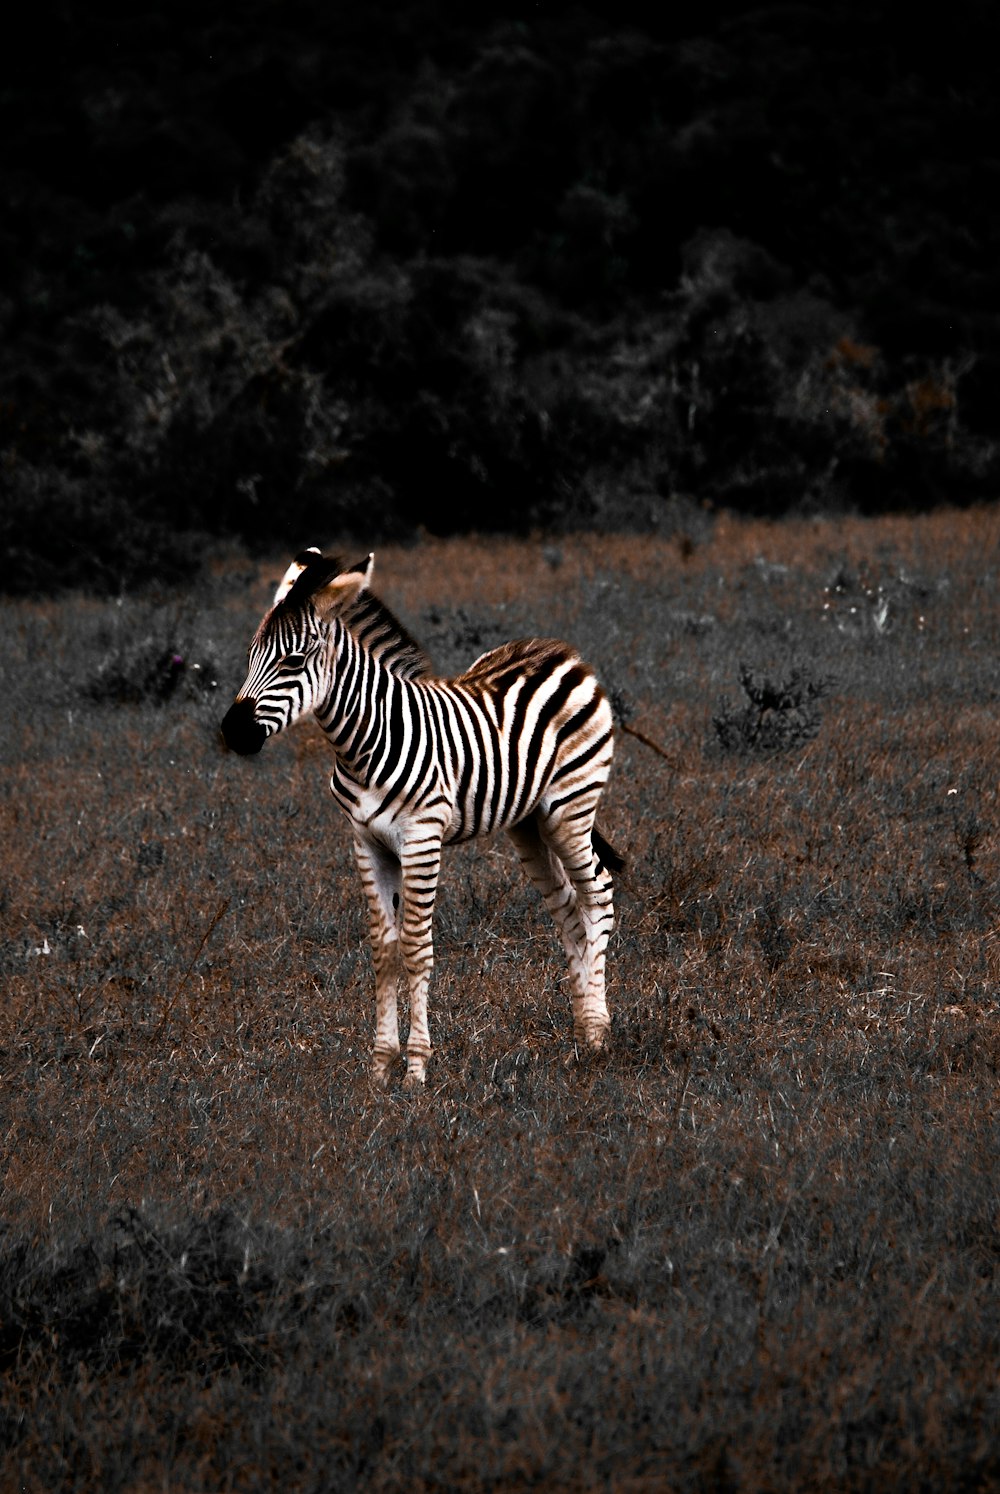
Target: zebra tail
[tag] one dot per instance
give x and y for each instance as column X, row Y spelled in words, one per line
column 606, row 853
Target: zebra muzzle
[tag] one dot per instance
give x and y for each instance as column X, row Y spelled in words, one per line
column 241, row 730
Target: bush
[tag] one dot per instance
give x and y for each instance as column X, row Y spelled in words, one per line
column 779, row 714
column 146, row 670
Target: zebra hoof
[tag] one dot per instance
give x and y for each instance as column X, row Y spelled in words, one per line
column 381, row 1070
column 415, row 1079
column 590, row 1044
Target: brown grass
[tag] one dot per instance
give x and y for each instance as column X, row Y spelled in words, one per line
column 754, row 1247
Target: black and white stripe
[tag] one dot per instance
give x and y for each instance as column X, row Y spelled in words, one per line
column 520, row 742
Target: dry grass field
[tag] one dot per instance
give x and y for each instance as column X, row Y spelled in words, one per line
column 755, row 1246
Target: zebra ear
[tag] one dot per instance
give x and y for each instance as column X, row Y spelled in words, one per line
column 298, row 565
column 343, row 590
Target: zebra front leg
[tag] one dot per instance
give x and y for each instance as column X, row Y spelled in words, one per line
column 421, row 862
column 382, row 880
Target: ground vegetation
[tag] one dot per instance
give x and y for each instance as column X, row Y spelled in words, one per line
column 753, row 1246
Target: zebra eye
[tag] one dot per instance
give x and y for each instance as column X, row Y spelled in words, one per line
column 294, row 661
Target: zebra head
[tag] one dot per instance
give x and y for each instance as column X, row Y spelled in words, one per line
column 288, row 671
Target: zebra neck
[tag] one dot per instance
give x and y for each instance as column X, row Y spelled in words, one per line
column 365, row 715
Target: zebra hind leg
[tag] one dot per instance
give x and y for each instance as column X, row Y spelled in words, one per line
column 572, row 841
column 382, row 881
column 547, row 873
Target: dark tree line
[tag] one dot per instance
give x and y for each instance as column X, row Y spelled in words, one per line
column 284, row 272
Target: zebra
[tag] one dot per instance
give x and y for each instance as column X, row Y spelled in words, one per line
column 521, row 742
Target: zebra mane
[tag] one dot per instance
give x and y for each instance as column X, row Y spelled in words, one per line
column 382, row 634
column 368, row 619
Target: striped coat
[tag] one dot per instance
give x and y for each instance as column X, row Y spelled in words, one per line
column 521, row 742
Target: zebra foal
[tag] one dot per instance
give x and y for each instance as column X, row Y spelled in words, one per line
column 522, row 742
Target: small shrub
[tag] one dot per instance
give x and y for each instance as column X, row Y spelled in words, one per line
column 149, row 669
column 779, row 714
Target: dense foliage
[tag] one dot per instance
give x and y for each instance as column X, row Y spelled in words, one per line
column 282, row 272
